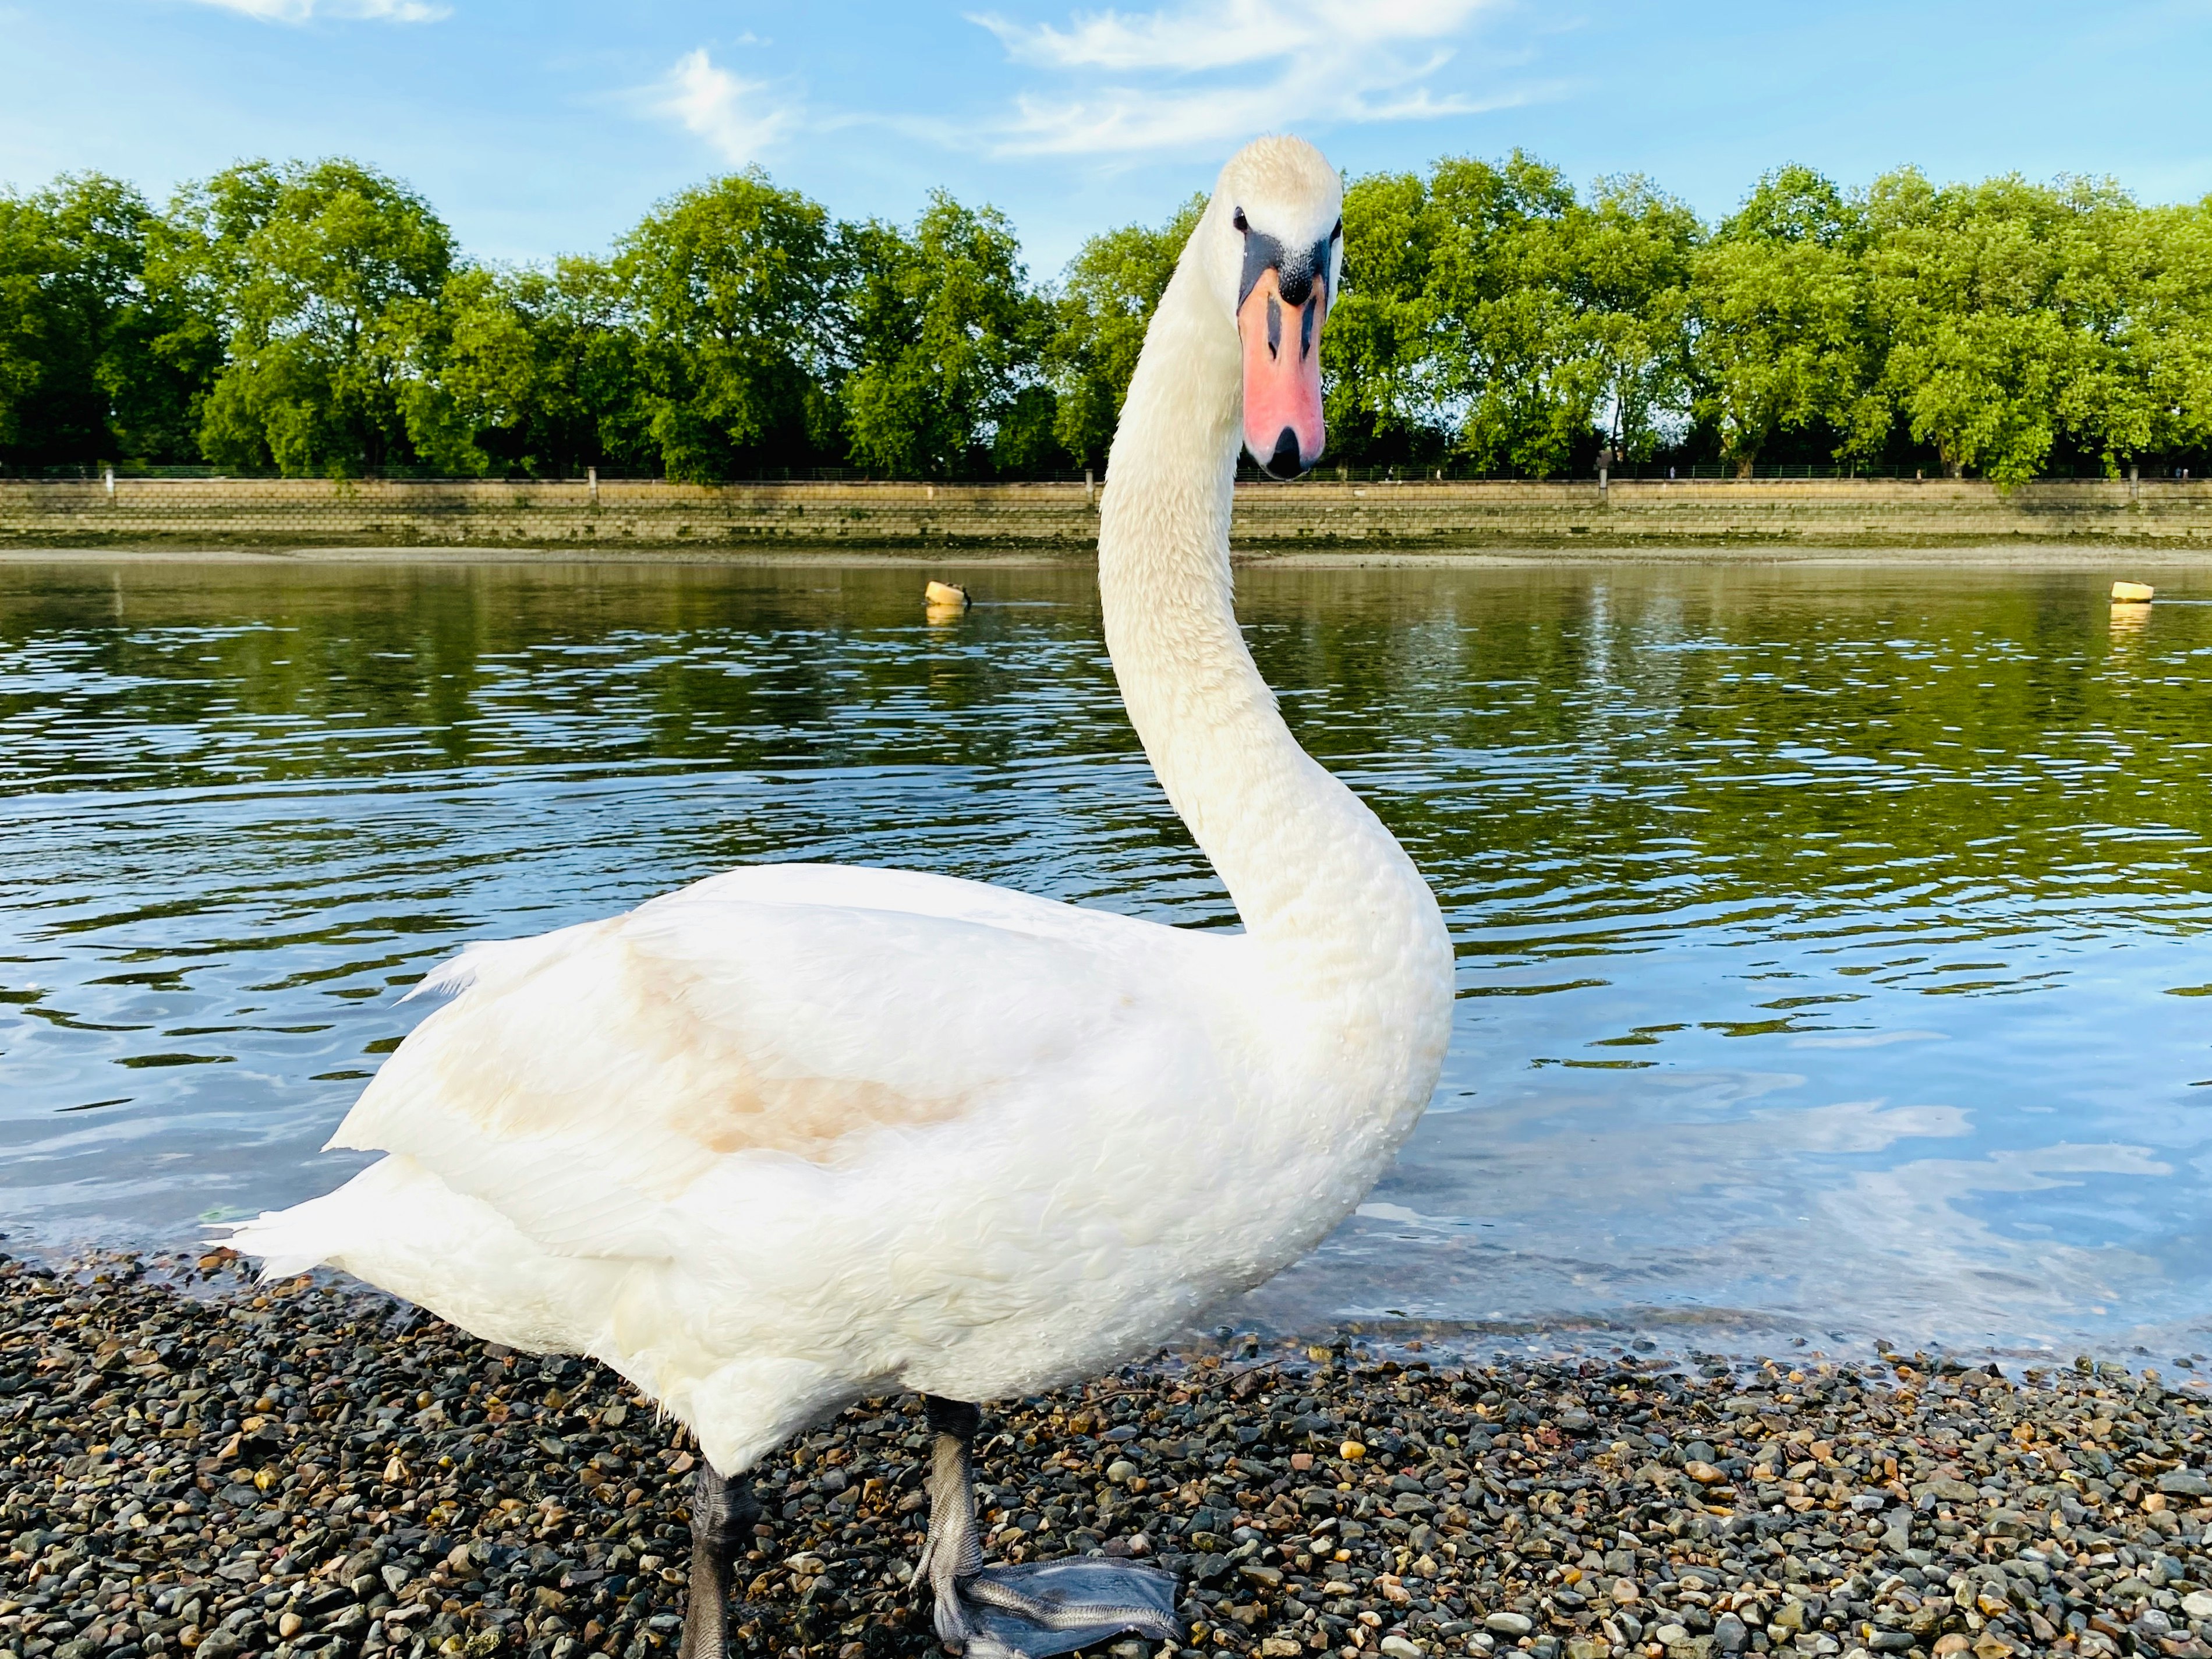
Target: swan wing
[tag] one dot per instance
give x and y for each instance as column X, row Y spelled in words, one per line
column 584, row 1083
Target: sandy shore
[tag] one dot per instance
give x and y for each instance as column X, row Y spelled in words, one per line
column 198, row 1464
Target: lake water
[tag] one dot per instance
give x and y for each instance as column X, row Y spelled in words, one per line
column 1832, row 940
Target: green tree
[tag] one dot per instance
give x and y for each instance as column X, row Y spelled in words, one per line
column 1547, row 316
column 733, row 289
column 2134, row 291
column 325, row 281
column 1500, row 285
column 2168, row 333
column 540, row 368
column 947, row 341
column 1105, row 303
column 1781, row 339
column 1386, row 388
column 1633, row 247
column 1967, row 281
column 26, row 256
column 85, row 372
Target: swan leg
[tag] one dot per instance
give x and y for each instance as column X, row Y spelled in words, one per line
column 721, row 1523
column 950, row 1553
column 1031, row 1611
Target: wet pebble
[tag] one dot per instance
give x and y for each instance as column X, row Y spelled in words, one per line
column 198, row 1464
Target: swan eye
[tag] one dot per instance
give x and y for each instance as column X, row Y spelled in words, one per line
column 1338, row 232
column 1240, row 221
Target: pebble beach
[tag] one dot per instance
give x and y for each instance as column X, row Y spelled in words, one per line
column 199, row 1464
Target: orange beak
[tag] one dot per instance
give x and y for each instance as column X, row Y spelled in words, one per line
column 1282, row 375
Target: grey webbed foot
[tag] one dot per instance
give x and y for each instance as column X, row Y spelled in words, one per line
column 721, row 1523
column 1045, row 1607
column 1029, row 1611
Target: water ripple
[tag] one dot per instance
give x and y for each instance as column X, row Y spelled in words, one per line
column 1829, row 939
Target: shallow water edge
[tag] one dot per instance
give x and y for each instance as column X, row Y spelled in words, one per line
column 2005, row 554
column 1830, row 936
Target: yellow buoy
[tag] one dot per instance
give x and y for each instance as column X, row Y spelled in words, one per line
column 951, row 593
column 2131, row 593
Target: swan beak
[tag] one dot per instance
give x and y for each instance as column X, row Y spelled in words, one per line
column 1282, row 372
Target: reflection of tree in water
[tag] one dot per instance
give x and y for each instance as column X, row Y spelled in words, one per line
column 1725, row 849
column 1728, row 735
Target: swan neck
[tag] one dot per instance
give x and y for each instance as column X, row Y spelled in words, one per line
column 1293, row 846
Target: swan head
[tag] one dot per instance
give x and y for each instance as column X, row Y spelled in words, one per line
column 1275, row 245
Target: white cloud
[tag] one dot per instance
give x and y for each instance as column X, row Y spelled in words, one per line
column 734, row 117
column 1213, row 71
column 299, row 11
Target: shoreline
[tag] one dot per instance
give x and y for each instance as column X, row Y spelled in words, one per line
column 2100, row 556
column 1333, row 515
column 309, row 1469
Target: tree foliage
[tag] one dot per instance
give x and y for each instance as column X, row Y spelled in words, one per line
column 319, row 318
column 323, row 281
column 1104, row 304
column 1778, row 305
column 731, row 291
column 947, row 340
column 98, row 353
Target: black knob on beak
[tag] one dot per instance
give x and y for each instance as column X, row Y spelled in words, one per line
column 1285, row 462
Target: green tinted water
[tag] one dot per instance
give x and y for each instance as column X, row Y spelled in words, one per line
column 1827, row 936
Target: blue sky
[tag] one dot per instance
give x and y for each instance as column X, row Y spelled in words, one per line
column 545, row 128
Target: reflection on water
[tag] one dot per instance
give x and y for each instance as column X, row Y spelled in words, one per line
column 1829, row 939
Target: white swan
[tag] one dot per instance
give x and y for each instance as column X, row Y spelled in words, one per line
column 800, row 1134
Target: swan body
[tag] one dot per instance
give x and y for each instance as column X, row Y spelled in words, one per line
column 798, row 1134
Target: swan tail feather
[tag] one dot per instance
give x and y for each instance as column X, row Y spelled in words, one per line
column 400, row 1228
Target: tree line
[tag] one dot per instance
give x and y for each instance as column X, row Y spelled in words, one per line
column 317, row 319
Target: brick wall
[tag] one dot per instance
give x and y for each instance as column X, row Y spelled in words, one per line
column 1319, row 512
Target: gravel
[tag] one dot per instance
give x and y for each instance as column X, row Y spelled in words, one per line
column 198, row 1464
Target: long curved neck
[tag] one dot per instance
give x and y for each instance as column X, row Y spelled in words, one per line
column 1313, row 872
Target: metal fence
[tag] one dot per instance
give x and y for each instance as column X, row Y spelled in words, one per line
column 1698, row 471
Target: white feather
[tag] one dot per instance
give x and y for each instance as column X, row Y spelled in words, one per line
column 797, row 1134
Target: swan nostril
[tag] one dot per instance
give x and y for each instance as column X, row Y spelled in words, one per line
column 1285, row 462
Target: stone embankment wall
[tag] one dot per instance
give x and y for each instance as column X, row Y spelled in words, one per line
column 1317, row 513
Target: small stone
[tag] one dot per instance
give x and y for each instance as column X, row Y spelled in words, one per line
column 1395, row 1646
column 1120, row 1471
column 1671, row 1636
column 1703, row 1473
column 1352, row 1451
column 605, row 1517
